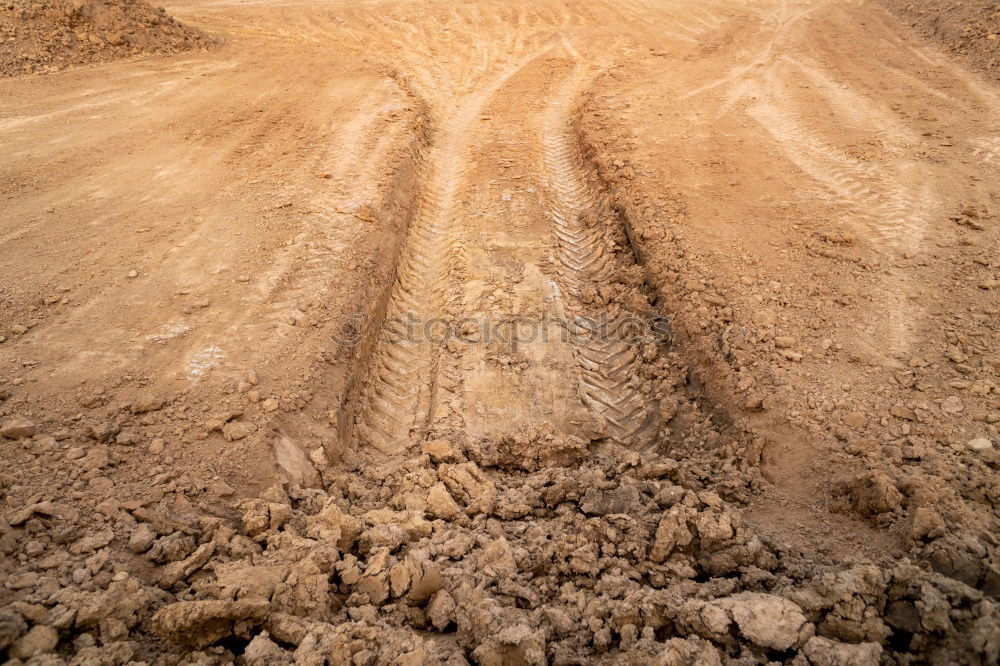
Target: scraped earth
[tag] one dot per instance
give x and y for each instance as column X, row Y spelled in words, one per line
column 495, row 332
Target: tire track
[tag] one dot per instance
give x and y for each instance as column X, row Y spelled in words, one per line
column 398, row 400
column 893, row 216
column 609, row 362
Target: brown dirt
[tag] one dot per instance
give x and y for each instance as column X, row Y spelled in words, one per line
column 503, row 333
column 969, row 29
column 50, row 35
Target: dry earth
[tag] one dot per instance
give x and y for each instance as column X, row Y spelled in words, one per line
column 497, row 332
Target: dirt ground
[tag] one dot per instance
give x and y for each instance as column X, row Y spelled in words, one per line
column 423, row 332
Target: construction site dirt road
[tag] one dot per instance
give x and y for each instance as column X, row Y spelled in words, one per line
column 496, row 332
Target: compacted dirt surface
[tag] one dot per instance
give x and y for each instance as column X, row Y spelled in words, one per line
column 496, row 332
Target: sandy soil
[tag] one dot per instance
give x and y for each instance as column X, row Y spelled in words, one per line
column 415, row 332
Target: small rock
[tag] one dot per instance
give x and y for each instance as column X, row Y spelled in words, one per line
column 198, row 624
column 927, row 524
column 784, row 341
column 142, row 539
column 825, row 652
column 12, row 627
column 875, row 493
column 903, row 412
column 220, row 488
column 980, row 444
column 92, row 541
column 318, row 458
column 441, row 504
column 147, row 405
column 133, row 273
column 17, row 428
column 952, row 405
column 178, row 571
column 498, row 559
column 440, row 609
column 237, row 430
column 441, row 451
column 156, row 446
column 767, row 620
column 262, row 651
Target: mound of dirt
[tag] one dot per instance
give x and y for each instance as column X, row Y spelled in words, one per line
column 52, row 34
column 970, row 29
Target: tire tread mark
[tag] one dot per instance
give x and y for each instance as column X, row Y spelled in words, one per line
column 608, row 364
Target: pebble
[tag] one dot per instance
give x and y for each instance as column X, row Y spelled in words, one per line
column 784, row 341
column 855, row 419
column 156, row 446
column 40, row 640
column 980, row 444
column 952, row 405
column 147, row 405
column 17, row 428
column 133, row 273
column 903, row 412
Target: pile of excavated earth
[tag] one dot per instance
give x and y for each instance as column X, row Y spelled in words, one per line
column 48, row 35
column 969, row 28
column 535, row 548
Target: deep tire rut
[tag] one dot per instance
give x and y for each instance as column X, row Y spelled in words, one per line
column 607, row 348
column 398, row 400
column 609, row 361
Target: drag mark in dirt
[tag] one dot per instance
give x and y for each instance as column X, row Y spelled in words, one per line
column 608, row 362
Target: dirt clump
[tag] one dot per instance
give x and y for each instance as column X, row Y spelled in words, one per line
column 49, row 35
